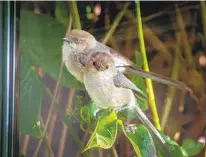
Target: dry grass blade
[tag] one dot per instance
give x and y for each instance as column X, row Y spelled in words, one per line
column 171, row 90
column 115, row 23
column 187, row 48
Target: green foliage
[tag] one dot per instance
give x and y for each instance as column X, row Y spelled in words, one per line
column 141, row 140
column 191, row 147
column 105, row 132
column 174, row 149
column 30, row 99
column 41, row 37
column 105, row 135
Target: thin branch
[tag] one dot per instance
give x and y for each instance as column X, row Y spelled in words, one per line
column 50, row 110
column 171, row 90
column 186, row 45
column 115, row 23
column 25, row 144
column 53, row 98
column 64, row 130
column 54, row 117
column 63, row 118
column 100, row 152
column 203, row 10
column 146, row 68
column 114, row 152
column 75, row 14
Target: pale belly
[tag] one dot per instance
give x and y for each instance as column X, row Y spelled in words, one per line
column 104, row 94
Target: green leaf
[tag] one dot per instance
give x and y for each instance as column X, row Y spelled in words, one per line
column 174, row 148
column 191, row 147
column 141, row 140
column 41, row 37
column 105, row 132
column 61, row 12
column 30, row 99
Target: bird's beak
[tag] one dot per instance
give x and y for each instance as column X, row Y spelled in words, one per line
column 67, row 40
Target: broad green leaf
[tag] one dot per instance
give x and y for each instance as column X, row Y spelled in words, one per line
column 105, row 132
column 87, row 114
column 41, row 37
column 30, row 99
column 174, row 148
column 141, row 140
column 191, row 147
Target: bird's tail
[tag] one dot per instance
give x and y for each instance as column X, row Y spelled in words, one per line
column 158, row 139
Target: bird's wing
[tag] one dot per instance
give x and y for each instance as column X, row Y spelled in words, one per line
column 122, row 81
column 85, row 57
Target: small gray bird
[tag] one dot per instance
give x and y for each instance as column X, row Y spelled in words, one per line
column 108, row 87
column 79, row 45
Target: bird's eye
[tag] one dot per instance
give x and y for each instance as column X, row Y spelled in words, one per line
column 107, row 66
column 94, row 63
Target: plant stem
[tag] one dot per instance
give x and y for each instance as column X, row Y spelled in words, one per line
column 50, row 111
column 100, row 153
column 25, row 144
column 75, row 14
column 70, row 24
column 187, row 48
column 203, row 10
column 146, row 68
column 171, row 90
column 115, row 23
column 54, row 116
column 65, row 129
column 114, row 152
column 63, row 118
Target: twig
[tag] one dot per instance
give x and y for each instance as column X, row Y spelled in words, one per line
column 25, row 145
column 146, row 68
column 112, row 39
column 54, row 117
column 115, row 23
column 50, row 111
column 83, row 141
column 53, row 98
column 153, row 40
column 70, row 24
column 171, row 90
column 187, row 48
column 203, row 10
column 46, row 140
column 75, row 14
column 100, row 153
column 114, row 152
column 75, row 137
column 64, row 130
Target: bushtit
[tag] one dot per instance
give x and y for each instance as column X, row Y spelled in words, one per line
column 79, row 45
column 105, row 85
